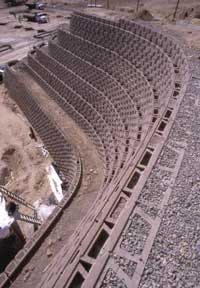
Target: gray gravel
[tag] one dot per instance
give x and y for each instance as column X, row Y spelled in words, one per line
column 134, row 237
column 155, row 186
column 168, row 157
column 126, row 265
column 174, row 260
column 153, row 191
column 111, row 280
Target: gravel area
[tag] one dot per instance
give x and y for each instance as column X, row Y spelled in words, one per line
column 149, row 208
column 134, row 238
column 153, row 191
column 175, row 255
column 128, row 266
column 168, row 157
column 111, row 280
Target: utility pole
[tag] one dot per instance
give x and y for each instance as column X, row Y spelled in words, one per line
column 177, row 4
column 107, row 4
column 138, row 3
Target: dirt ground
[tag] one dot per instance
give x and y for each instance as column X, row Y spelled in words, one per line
column 186, row 24
column 23, row 166
column 20, row 34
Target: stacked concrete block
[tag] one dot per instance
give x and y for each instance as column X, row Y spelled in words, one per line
column 148, row 57
column 62, row 152
column 168, row 45
column 122, row 82
column 114, row 79
column 138, row 93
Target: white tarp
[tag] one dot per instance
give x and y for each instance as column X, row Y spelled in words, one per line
column 43, row 211
column 55, row 183
column 5, row 219
column 43, row 149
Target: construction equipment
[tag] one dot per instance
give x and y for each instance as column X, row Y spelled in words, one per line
column 38, row 17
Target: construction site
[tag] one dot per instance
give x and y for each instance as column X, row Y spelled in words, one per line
column 99, row 144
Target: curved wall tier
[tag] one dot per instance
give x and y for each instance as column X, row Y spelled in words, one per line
column 122, row 83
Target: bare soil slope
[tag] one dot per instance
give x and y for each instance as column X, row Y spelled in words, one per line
column 23, row 164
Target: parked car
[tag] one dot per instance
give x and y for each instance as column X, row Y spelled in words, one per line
column 36, row 5
column 36, row 17
column 42, row 17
